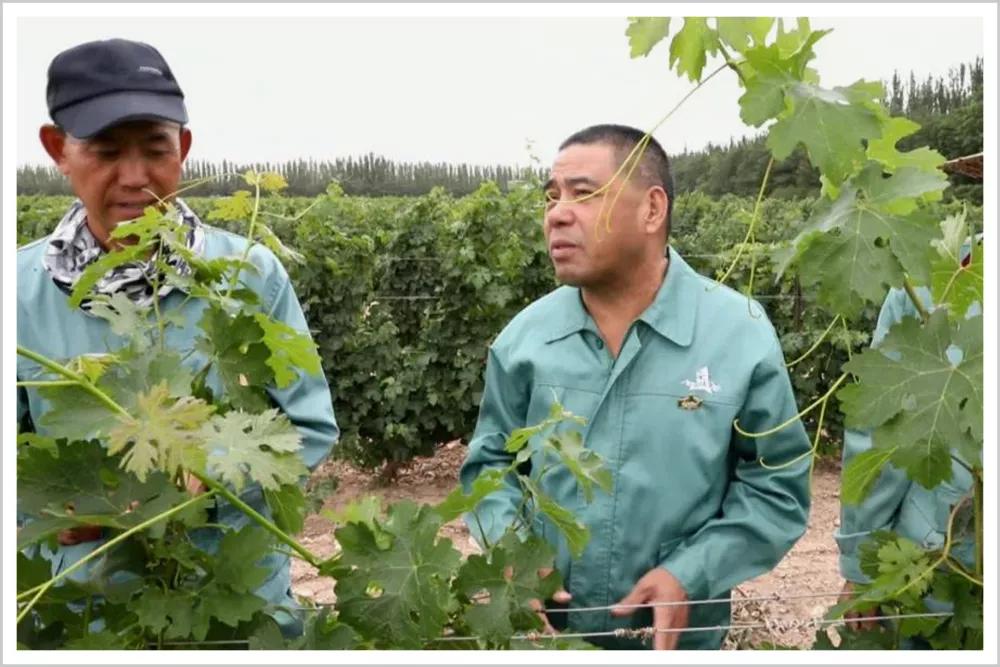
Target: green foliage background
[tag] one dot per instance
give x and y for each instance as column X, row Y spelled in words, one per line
column 405, row 294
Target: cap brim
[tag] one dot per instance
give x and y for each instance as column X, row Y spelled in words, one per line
column 90, row 117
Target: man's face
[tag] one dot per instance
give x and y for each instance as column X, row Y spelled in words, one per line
column 122, row 170
column 592, row 243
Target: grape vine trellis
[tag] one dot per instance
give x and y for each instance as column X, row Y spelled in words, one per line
column 398, row 584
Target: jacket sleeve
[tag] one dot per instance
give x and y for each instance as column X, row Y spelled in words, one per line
column 307, row 401
column 503, row 409
column 878, row 511
column 766, row 507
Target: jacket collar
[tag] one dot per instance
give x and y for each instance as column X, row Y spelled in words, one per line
column 671, row 314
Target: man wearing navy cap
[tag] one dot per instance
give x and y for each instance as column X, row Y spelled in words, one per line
column 119, row 137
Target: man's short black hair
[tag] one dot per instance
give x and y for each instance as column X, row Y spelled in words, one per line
column 653, row 169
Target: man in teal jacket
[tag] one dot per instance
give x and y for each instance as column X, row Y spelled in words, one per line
column 896, row 502
column 119, row 138
column 661, row 361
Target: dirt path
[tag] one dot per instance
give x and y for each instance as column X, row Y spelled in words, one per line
column 810, row 568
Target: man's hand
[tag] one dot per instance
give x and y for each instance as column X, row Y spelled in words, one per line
column 79, row 534
column 848, row 592
column 194, row 485
column 658, row 585
column 559, row 596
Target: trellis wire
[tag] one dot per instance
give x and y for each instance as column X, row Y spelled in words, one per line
column 636, row 633
column 623, row 633
column 759, row 598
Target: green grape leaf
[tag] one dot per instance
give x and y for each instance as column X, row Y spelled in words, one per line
column 792, row 41
column 103, row 640
column 968, row 610
column 740, row 32
column 275, row 245
column 205, row 272
column 239, row 552
column 458, row 502
column 236, row 347
column 970, row 341
column 831, row 124
column 573, row 530
column 853, row 249
column 519, row 438
column 861, row 472
column 78, row 483
column 954, row 285
column 900, row 193
column 75, row 412
column 397, row 595
column 93, row 273
column 290, row 350
column 229, row 597
column 646, row 32
column 364, row 511
column 156, row 610
column 260, row 447
column 911, row 627
column 152, row 224
column 164, row 433
column 141, row 370
column 689, row 46
column 177, row 614
column 266, row 635
column 124, row 316
column 508, row 574
column 901, row 564
column 323, row 632
column 235, row 208
column 92, row 366
column 918, row 402
column 766, row 77
column 288, row 507
column 586, row 466
column 884, row 151
column 271, row 181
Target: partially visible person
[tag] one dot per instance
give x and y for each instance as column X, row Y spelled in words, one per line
column 119, row 136
column 660, row 361
column 895, row 502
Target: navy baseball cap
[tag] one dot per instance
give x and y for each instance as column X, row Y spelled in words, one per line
column 96, row 85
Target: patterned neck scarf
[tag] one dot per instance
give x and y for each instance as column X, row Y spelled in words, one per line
column 73, row 247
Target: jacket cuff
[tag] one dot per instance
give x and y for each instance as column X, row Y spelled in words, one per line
column 687, row 566
column 850, row 569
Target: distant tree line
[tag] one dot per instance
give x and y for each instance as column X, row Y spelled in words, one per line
column 949, row 109
column 367, row 175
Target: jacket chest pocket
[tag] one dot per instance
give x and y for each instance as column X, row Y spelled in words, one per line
column 685, row 428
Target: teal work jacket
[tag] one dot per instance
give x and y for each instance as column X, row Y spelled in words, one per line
column 48, row 325
column 689, row 493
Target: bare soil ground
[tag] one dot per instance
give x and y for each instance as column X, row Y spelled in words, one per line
column 810, row 569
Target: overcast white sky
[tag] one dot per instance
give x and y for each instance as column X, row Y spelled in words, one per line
column 437, row 89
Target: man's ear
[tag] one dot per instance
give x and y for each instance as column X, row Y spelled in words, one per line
column 185, row 143
column 54, row 142
column 655, row 218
